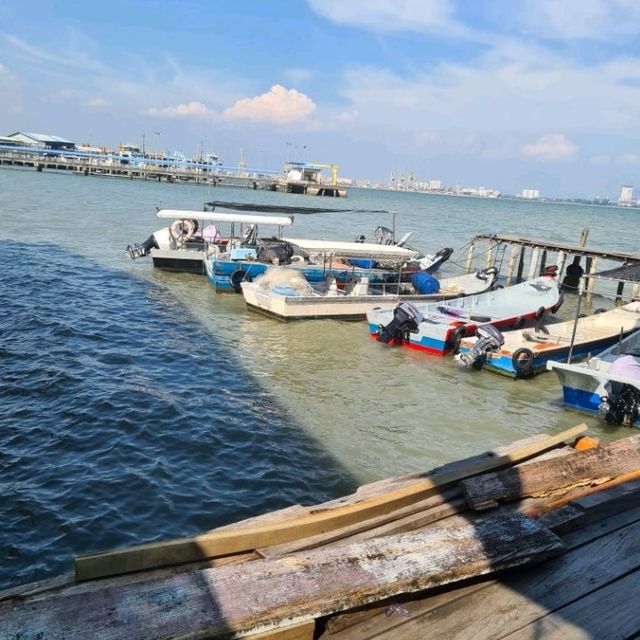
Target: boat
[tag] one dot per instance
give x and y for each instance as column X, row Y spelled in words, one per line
column 439, row 328
column 318, row 259
column 607, row 384
column 193, row 236
column 525, row 352
column 285, row 294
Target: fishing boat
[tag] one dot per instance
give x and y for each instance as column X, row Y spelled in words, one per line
column 193, row 236
column 607, row 384
column 439, row 328
column 318, row 259
column 286, row 295
column 525, row 352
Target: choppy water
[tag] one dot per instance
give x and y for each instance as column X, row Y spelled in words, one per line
column 137, row 405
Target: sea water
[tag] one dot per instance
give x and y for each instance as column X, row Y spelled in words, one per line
column 137, row 405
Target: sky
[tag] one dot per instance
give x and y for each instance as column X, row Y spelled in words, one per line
column 506, row 94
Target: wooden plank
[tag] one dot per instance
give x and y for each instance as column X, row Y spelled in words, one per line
column 225, row 542
column 304, row 631
column 556, row 475
column 521, row 600
column 606, row 613
column 370, row 621
column 416, row 515
column 263, row 595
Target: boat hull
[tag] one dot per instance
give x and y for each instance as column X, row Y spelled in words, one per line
column 179, row 261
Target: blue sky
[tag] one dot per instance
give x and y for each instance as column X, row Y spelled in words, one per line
column 509, row 94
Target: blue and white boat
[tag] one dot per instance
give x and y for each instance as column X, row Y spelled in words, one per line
column 607, row 385
column 525, row 352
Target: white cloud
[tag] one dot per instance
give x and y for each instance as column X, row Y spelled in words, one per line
column 399, row 15
column 298, row 75
column 192, row 109
column 553, row 146
column 279, row 105
column 96, row 103
column 578, row 19
column 628, row 158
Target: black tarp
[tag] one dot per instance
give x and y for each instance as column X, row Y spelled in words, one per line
column 272, row 208
column 627, row 272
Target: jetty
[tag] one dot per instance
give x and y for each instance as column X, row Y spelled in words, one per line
column 528, row 258
column 537, row 539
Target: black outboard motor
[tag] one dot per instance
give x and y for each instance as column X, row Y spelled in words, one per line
column 142, row 250
column 406, row 319
column 489, row 340
column 622, row 406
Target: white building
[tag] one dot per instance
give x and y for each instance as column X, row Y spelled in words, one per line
column 626, row 195
column 434, row 185
column 530, row 194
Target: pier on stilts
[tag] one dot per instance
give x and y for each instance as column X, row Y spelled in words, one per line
column 527, row 258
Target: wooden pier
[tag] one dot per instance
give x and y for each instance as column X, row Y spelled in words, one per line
column 534, row 540
column 528, row 258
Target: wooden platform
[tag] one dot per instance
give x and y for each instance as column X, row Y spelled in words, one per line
column 534, row 540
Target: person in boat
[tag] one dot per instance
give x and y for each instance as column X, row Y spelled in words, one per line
column 573, row 274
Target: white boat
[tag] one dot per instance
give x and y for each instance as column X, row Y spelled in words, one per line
column 439, row 328
column 607, row 384
column 193, row 236
column 526, row 352
column 286, row 295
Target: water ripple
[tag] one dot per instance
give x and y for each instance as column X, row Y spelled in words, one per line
column 124, row 421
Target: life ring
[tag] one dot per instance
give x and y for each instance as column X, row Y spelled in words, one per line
column 522, row 361
column 540, row 312
column 558, row 304
column 237, row 278
column 296, row 259
column 519, row 322
column 456, row 337
column 182, row 230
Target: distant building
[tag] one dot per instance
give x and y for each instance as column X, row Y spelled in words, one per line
column 530, row 194
column 434, row 185
column 40, row 140
column 626, row 195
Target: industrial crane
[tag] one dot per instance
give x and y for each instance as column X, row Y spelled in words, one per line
column 333, row 167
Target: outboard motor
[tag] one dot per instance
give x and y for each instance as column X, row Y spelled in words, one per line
column 489, row 340
column 621, row 407
column 383, row 235
column 142, row 250
column 406, row 318
column 433, row 263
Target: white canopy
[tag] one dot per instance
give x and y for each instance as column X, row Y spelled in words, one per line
column 215, row 216
column 354, row 249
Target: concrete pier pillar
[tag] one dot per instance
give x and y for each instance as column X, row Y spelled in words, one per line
column 562, row 258
column 469, row 258
column 511, row 264
column 590, row 284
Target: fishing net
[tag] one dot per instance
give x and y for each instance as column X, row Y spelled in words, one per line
column 284, row 279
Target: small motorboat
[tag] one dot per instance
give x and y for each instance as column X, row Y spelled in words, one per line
column 607, row 384
column 439, row 328
column 287, row 295
column 524, row 353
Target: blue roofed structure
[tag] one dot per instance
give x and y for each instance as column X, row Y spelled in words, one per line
column 40, row 140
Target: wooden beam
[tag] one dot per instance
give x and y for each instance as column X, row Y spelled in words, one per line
column 556, row 475
column 224, row 542
column 263, row 595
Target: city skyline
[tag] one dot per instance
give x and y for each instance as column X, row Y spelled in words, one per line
column 512, row 95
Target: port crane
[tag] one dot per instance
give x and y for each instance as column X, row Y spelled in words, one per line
column 333, row 167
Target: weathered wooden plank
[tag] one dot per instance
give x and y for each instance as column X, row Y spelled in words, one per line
column 606, row 613
column 557, row 475
column 263, row 595
column 369, row 622
column 519, row 600
column 304, row 631
column 415, row 515
column 225, row 542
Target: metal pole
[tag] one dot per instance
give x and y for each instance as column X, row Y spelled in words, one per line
column 575, row 322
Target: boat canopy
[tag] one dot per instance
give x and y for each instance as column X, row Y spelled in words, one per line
column 287, row 209
column 217, row 216
column 354, row 249
column 627, row 272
